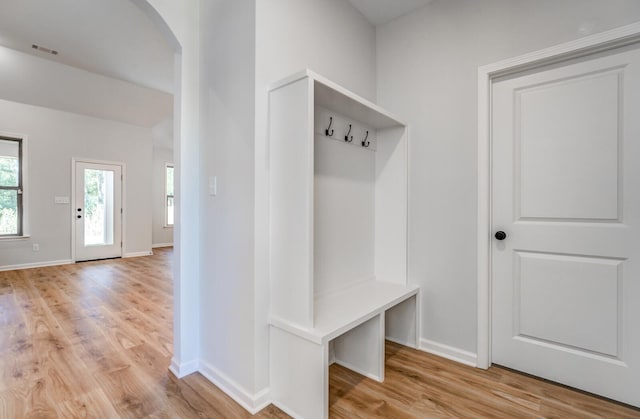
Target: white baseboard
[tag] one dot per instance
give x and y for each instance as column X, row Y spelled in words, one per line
column 36, row 265
column 286, row 409
column 184, row 369
column 155, row 246
column 449, row 352
column 261, row 400
column 252, row 403
column 137, row 254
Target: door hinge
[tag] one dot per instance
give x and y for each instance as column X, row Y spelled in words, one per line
column 120, row 210
column 121, row 245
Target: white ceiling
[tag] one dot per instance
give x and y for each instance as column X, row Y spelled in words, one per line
column 116, row 39
column 109, row 37
column 382, row 11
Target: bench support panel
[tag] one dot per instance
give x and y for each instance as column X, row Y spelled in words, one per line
column 401, row 324
column 362, row 349
column 299, row 375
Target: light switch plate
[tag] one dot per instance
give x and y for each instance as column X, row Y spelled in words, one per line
column 213, row 185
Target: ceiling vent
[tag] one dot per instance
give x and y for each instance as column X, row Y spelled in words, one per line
column 45, row 50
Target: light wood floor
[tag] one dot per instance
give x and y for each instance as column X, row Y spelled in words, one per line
column 94, row 340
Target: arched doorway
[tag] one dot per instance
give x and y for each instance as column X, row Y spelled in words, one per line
column 177, row 23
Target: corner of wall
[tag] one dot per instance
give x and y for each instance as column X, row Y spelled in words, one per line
column 253, row 403
column 183, row 369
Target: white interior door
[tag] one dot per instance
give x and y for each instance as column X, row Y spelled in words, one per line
column 98, row 211
column 566, row 193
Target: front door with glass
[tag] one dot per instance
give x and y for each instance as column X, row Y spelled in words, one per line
column 98, row 211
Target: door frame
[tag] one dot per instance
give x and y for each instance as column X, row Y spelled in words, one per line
column 625, row 35
column 123, row 224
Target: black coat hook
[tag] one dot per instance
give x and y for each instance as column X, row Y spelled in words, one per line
column 366, row 143
column 346, row 137
column 327, row 132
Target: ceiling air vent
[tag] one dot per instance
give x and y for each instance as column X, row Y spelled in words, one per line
column 45, row 50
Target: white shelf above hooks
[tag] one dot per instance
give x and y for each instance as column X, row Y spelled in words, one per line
column 330, row 95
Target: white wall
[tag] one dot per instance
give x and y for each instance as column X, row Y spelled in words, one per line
column 54, row 138
column 245, row 46
column 331, row 38
column 162, row 134
column 160, row 234
column 426, row 69
column 226, row 221
column 38, row 81
column 179, row 22
column 290, row 35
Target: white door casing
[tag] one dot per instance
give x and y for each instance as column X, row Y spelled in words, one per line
column 619, row 37
column 564, row 280
column 97, row 226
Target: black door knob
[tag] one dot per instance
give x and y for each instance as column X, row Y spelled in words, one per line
column 79, row 216
column 501, row 235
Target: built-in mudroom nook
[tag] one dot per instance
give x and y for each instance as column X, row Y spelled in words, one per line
column 338, row 247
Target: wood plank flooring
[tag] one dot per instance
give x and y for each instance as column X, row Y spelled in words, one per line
column 94, row 340
column 421, row 385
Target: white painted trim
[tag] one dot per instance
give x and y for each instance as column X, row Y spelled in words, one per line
column 288, row 80
column 13, row 238
column 252, row 403
column 418, row 327
column 164, row 197
column 618, row 37
column 624, row 35
column 36, row 265
column 294, row 329
column 156, row 245
column 261, row 400
column 181, row 370
column 286, row 409
column 123, row 205
column 448, row 352
column 26, row 232
column 72, row 209
column 137, row 254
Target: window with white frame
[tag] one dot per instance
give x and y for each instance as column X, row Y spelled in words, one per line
column 168, row 201
column 11, row 190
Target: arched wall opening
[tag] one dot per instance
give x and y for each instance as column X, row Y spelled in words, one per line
column 177, row 21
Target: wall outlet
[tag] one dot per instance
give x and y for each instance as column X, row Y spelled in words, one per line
column 36, row 247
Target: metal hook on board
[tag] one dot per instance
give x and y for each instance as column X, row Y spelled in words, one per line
column 327, row 132
column 346, row 137
column 366, row 143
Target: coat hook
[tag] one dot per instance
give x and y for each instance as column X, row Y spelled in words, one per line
column 366, row 143
column 346, row 137
column 327, row 132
